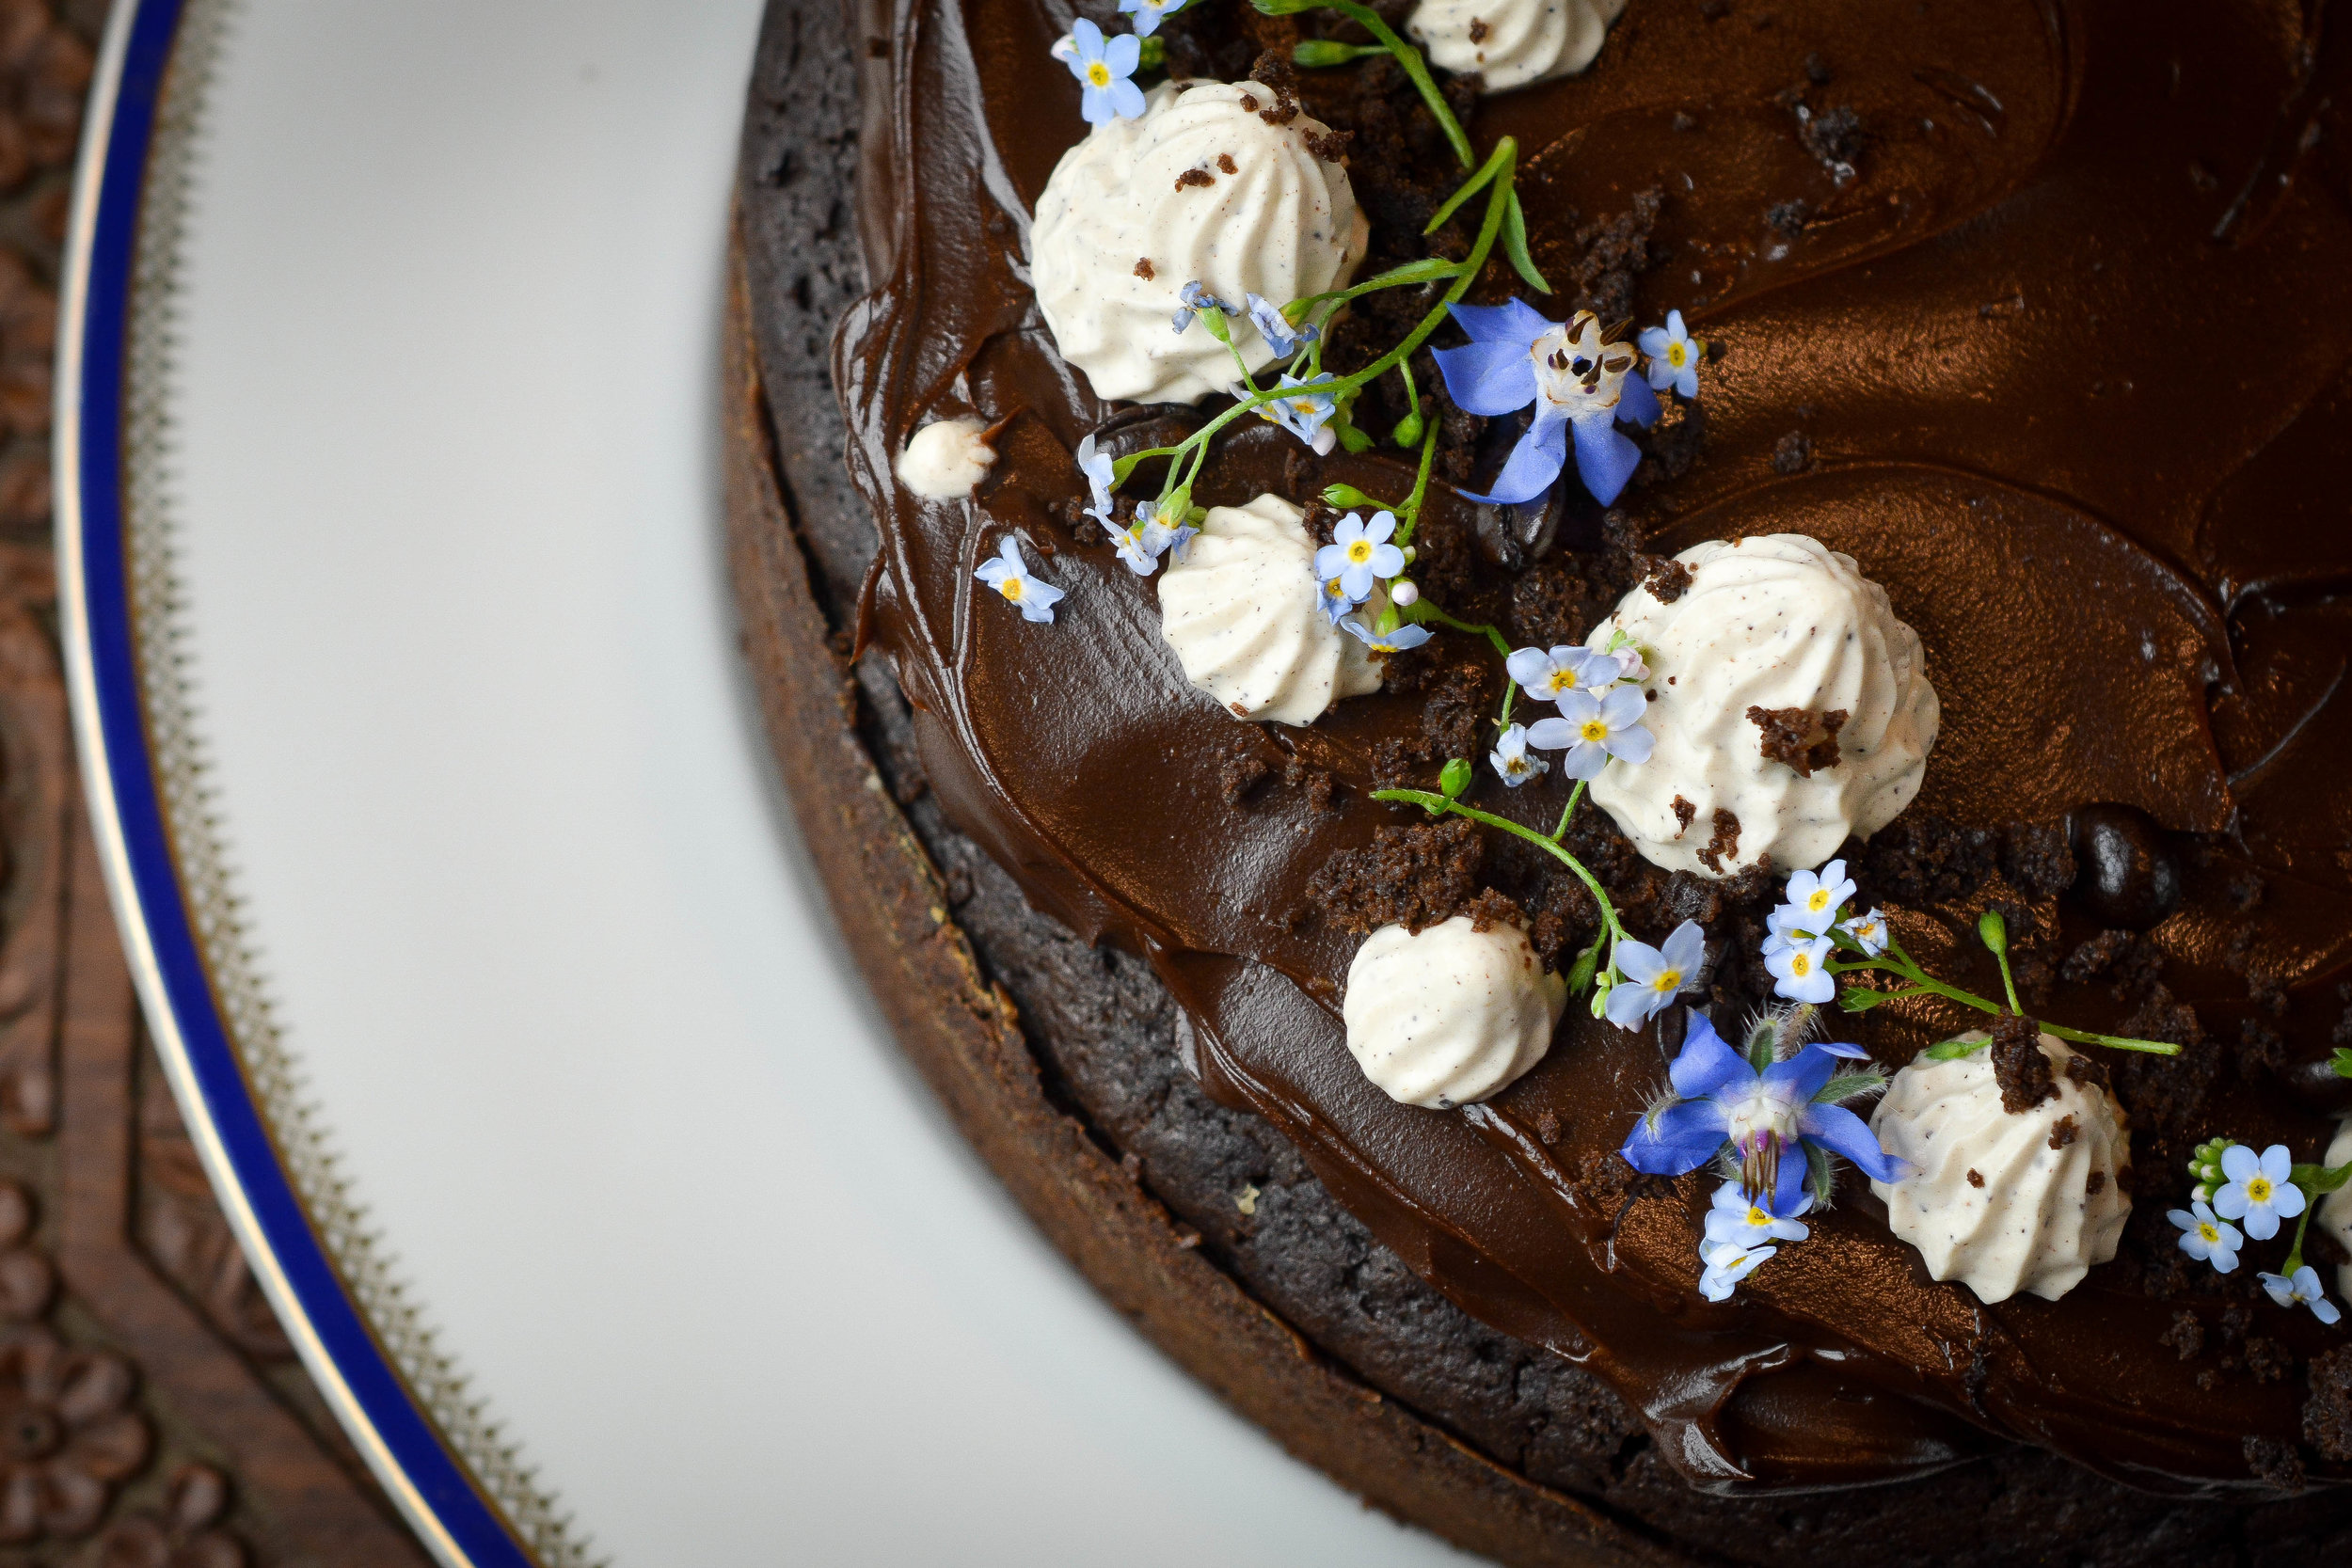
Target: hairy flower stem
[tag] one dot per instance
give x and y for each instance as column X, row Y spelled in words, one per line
column 1903, row 966
column 1576, row 797
column 1438, row 805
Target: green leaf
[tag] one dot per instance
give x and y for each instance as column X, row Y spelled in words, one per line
column 2343, row 1062
column 2315, row 1180
column 1471, row 187
column 1284, row 8
column 1514, row 245
column 1952, row 1050
column 1153, row 55
column 1856, row 999
column 1763, row 1040
column 1454, row 777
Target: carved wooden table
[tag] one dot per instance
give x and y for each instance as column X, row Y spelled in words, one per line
column 152, row 1414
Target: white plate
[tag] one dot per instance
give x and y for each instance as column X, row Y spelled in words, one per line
column 442, row 832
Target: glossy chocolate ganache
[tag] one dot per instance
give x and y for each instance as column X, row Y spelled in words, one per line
column 2038, row 310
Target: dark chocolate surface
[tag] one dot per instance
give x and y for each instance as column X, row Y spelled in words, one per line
column 2130, row 607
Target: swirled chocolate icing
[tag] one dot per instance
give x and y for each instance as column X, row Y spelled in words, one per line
column 2041, row 309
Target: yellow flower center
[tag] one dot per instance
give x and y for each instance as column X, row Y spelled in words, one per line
column 1361, row 551
column 1593, row 729
column 1098, row 75
column 1758, row 1217
column 2258, row 1188
column 2207, row 1233
column 1676, row 354
column 1010, row 588
column 1820, row 900
column 1668, row 982
column 1801, row 963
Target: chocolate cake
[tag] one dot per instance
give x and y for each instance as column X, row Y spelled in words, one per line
column 2030, row 313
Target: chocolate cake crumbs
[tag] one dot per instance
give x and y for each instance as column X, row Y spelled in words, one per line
column 1788, row 737
column 1787, row 220
column 2327, row 1409
column 1835, row 138
column 1976, row 1177
column 1491, row 909
column 1249, row 103
column 1225, row 164
column 1685, row 122
column 1414, row 876
column 1666, row 578
column 2095, row 1183
column 1918, row 859
column 2187, row 1337
column 2067, row 1129
column 1547, row 1127
column 1479, row 30
column 2019, row 1066
column 1816, row 70
column 2087, row 1071
column 1615, row 251
column 2268, row 1360
column 1143, row 269
column 1195, row 177
column 1724, row 845
column 1273, row 72
column 2276, row 1464
column 1792, row 454
column 1242, row 771
column 1685, row 813
column 1329, row 146
column 2036, row 858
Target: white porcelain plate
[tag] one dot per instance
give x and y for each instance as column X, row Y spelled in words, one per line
column 437, row 818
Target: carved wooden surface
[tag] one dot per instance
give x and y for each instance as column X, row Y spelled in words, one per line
column 152, row 1412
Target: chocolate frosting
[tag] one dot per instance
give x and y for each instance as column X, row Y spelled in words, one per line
column 2073, row 350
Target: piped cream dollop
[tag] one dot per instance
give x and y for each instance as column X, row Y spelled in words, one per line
column 2004, row 1202
column 1240, row 611
column 2335, row 1210
column 1513, row 42
column 1782, row 626
column 1449, row 1015
column 1200, row 189
column 946, row 459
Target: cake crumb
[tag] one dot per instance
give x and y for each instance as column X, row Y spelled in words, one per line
column 1792, row 454
column 1787, row 220
column 1143, row 269
column 1478, row 31
column 2187, row 1337
column 2328, row 1411
column 2087, row 1071
column 1414, row 876
column 1685, row 813
column 1246, row 1201
column 1195, row 177
column 2276, row 1464
column 1666, row 578
column 1547, row 1128
column 1225, row 164
column 1976, row 1177
column 2064, row 1133
column 2096, row 1183
column 2019, row 1066
column 1788, row 737
column 1724, row 845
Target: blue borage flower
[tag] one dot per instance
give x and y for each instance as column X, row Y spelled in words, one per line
column 2207, row 1237
column 1576, row 382
column 1190, row 301
column 2304, row 1287
column 1387, row 641
column 1006, row 573
column 2259, row 1193
column 1513, row 762
column 1103, row 66
column 1359, row 554
column 1652, row 977
column 1276, row 328
column 1673, row 355
column 1595, row 729
column 1149, row 13
column 1757, row 1111
column 1306, row 412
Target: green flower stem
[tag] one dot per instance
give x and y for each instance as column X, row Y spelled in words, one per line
column 1407, row 55
column 1437, row 804
column 1506, row 153
column 1903, row 966
column 2294, row 1258
column 1575, row 796
column 1428, row 270
column 1410, row 513
column 1486, row 173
